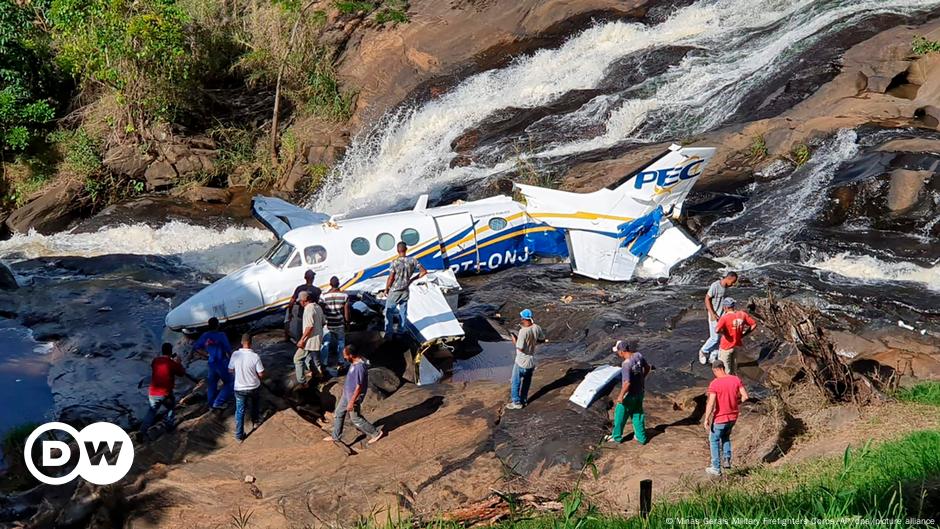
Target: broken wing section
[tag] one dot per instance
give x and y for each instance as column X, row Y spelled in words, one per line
column 281, row 216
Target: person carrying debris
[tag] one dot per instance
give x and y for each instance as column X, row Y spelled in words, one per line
column 725, row 394
column 731, row 327
column 528, row 337
column 336, row 311
column 400, row 274
column 245, row 365
column 164, row 370
column 293, row 318
column 311, row 341
column 354, row 391
column 629, row 401
column 713, row 298
column 214, row 345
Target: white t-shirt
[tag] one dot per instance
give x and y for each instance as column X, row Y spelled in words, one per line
column 247, row 366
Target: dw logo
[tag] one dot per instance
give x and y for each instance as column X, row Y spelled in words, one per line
column 105, row 454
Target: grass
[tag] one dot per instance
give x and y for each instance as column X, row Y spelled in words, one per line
column 922, row 393
column 393, row 11
column 351, row 7
column 883, row 484
column 923, row 46
column 758, row 149
column 800, row 154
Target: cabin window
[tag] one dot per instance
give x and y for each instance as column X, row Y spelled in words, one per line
column 279, row 253
column 385, row 241
column 498, row 223
column 315, row 254
column 410, row 236
column 359, row 246
column 295, row 262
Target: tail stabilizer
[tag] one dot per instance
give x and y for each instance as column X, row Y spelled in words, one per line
column 667, row 180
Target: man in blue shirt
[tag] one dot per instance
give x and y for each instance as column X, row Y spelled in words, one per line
column 214, row 345
column 629, row 401
column 354, row 391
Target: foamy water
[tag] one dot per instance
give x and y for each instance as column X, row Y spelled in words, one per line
column 872, row 269
column 739, row 44
column 205, row 249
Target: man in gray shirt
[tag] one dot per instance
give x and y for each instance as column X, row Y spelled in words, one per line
column 310, row 343
column 400, row 274
column 713, row 299
column 529, row 336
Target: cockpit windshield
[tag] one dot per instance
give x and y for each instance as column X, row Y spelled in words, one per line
column 279, row 253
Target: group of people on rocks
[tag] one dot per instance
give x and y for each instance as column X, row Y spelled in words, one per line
column 316, row 322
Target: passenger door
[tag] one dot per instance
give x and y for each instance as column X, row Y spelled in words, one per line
column 458, row 242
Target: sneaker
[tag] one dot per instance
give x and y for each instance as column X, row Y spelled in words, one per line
column 713, row 471
column 701, row 358
column 514, row 406
column 378, row 435
column 713, row 357
column 726, row 463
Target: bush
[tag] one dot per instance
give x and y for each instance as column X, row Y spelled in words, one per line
column 141, row 49
column 800, row 154
column 923, row 46
column 79, row 151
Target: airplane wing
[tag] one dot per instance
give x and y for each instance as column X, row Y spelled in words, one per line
column 625, row 229
column 281, row 216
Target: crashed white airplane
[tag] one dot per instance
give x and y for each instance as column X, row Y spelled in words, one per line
column 610, row 234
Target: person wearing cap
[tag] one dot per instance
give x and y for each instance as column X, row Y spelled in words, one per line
column 293, row 325
column 725, row 394
column 731, row 328
column 311, row 341
column 713, row 299
column 629, row 401
column 527, row 338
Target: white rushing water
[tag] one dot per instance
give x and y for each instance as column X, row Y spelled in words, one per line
column 739, row 44
column 205, row 249
column 871, row 269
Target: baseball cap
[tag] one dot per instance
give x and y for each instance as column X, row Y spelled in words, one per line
column 727, row 302
column 526, row 314
column 623, row 345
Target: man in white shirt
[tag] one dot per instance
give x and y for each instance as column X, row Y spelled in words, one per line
column 245, row 364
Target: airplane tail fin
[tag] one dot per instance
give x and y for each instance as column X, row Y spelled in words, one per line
column 667, row 180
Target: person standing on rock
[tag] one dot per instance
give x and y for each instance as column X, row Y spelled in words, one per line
column 354, row 391
column 528, row 337
column 713, row 298
column 293, row 319
column 245, row 365
column 400, row 277
column 163, row 372
column 214, row 345
column 629, row 401
column 311, row 341
column 336, row 310
column 732, row 326
column 725, row 394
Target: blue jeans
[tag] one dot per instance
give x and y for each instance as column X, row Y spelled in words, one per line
column 711, row 345
column 720, row 441
column 339, row 418
column 215, row 397
column 521, row 380
column 253, row 398
column 168, row 402
column 333, row 341
column 395, row 306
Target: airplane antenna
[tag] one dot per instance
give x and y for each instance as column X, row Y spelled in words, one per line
column 422, row 203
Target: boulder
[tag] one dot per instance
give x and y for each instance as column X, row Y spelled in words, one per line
column 51, row 211
column 160, row 175
column 7, row 279
column 127, row 160
column 188, row 165
column 905, row 188
column 212, row 195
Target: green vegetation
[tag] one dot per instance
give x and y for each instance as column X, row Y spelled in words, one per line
column 394, row 11
column 351, row 7
column 922, row 393
column 16, row 477
column 758, row 149
column 923, row 46
column 80, row 152
column 324, row 97
column 800, row 154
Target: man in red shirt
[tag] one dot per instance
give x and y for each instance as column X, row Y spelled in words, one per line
column 725, row 394
column 731, row 328
column 164, row 370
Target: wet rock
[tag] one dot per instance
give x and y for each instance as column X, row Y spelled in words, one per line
column 905, row 188
column 52, row 211
column 212, row 195
column 160, row 175
column 7, row 279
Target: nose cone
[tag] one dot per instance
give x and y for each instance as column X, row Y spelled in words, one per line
column 233, row 297
column 196, row 311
